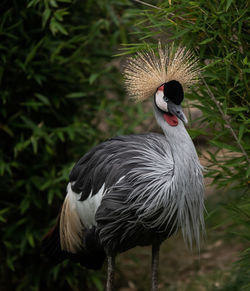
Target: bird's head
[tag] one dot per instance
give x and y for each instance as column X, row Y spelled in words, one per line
column 165, row 74
column 168, row 98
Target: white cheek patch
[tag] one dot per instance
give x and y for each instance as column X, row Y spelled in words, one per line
column 160, row 101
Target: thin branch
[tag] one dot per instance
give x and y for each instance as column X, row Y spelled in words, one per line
column 210, row 93
column 147, row 4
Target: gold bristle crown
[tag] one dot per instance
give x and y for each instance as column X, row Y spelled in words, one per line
column 147, row 71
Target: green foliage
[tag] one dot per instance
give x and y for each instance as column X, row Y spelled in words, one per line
column 239, row 208
column 56, row 71
column 224, row 57
column 217, row 32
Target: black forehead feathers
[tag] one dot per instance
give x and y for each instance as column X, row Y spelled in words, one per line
column 174, row 91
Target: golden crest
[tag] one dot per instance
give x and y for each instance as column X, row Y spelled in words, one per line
column 146, row 71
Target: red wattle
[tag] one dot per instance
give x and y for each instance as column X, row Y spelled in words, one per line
column 172, row 120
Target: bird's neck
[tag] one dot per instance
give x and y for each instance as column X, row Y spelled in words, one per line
column 186, row 162
column 181, row 144
column 187, row 180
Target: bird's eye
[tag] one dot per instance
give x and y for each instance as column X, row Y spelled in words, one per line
column 165, row 98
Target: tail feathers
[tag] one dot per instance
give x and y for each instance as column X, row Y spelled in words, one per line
column 91, row 255
column 71, row 227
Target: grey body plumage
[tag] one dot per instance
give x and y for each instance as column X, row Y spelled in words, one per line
column 137, row 189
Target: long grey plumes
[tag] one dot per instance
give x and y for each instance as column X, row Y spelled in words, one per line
column 161, row 192
column 169, row 195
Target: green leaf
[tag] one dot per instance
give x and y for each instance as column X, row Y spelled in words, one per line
column 45, row 16
column 76, row 95
column 30, row 124
column 30, row 239
column 53, row 3
column 32, row 3
column 238, row 109
column 97, row 282
column 59, row 14
column 2, row 212
column 24, row 205
column 205, row 41
column 241, row 131
column 65, row 1
column 34, row 143
column 33, row 52
column 245, row 61
column 56, row 27
column 6, row 129
column 61, row 136
column 93, row 78
column 228, row 4
column 42, row 98
column 225, row 146
column 10, row 261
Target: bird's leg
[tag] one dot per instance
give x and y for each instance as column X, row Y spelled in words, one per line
column 110, row 279
column 155, row 265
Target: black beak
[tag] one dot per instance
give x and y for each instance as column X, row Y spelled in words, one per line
column 177, row 111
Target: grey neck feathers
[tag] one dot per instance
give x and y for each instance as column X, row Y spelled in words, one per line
column 187, row 182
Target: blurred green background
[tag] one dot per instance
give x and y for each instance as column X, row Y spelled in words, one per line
column 61, row 93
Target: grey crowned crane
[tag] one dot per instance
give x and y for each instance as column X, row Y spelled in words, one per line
column 136, row 190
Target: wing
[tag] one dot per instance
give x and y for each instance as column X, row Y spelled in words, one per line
column 108, row 162
column 131, row 175
column 138, row 207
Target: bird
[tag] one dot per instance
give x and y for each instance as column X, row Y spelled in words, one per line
column 139, row 189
